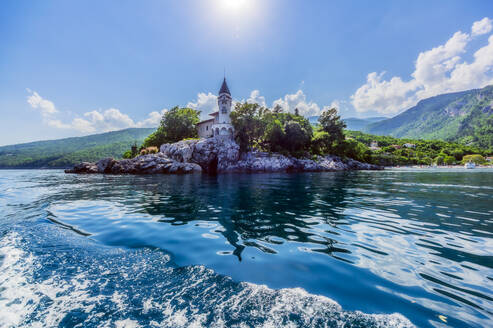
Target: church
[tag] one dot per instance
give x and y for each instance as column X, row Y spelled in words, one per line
column 220, row 123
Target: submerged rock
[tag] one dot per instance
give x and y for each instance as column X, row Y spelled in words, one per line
column 216, row 155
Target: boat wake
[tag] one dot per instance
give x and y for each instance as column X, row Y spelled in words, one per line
column 45, row 283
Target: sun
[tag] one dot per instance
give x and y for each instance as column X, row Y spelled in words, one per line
column 234, row 5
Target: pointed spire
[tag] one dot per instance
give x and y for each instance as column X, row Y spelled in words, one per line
column 224, row 88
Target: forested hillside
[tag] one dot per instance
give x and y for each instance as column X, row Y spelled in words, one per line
column 465, row 117
column 67, row 152
column 354, row 123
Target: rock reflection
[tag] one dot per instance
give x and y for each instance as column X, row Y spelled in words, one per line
column 258, row 211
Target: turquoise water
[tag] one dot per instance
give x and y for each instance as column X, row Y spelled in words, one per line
column 357, row 249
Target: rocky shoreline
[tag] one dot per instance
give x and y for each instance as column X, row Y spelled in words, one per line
column 215, row 155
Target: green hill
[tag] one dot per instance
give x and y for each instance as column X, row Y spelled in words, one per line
column 354, row 123
column 69, row 151
column 464, row 117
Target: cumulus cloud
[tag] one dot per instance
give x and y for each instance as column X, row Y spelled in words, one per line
column 108, row 120
column 298, row 100
column 256, row 98
column 112, row 119
column 206, row 103
column 439, row 70
column 93, row 121
column 481, row 27
column 46, row 107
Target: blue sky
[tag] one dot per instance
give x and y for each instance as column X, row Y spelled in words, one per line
column 72, row 68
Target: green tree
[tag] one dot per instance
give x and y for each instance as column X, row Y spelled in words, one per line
column 296, row 138
column 439, row 160
column 274, row 135
column 277, row 109
column 331, row 123
column 177, row 124
column 248, row 124
column 449, row 160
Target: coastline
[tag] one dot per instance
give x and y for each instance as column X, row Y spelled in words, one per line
column 441, row 167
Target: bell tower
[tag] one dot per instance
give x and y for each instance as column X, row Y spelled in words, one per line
column 224, row 101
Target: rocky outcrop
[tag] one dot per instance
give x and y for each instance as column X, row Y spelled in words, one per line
column 223, row 155
column 215, row 155
column 265, row 162
column 145, row 164
column 212, row 154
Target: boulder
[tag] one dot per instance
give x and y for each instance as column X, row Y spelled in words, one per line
column 212, row 154
column 84, row 167
column 105, row 165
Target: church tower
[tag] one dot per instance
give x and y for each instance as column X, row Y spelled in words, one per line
column 224, row 102
column 220, row 125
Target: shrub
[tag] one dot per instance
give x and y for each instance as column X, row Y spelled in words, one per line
column 475, row 158
column 149, row 150
column 127, row 154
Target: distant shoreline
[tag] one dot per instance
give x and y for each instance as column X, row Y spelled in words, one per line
column 437, row 167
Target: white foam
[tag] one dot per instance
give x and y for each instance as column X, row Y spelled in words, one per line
column 201, row 299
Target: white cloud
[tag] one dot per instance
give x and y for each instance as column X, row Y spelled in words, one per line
column 109, row 120
column 298, row 100
column 112, row 119
column 153, row 119
column 206, row 103
column 46, row 107
column 439, row 70
column 256, row 98
column 94, row 121
column 481, row 27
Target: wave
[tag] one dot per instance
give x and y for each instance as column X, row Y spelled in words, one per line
column 48, row 285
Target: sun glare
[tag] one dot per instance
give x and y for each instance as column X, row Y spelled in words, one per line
column 234, row 5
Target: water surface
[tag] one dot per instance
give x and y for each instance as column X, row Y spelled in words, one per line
column 391, row 248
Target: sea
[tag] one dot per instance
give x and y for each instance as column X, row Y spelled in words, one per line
column 392, row 248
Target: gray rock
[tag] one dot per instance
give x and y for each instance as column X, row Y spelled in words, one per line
column 216, row 155
column 84, row 167
column 145, row 164
column 211, row 154
column 105, row 165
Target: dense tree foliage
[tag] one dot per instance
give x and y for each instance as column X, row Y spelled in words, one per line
column 330, row 135
column 248, row 124
column 176, row 124
column 275, row 131
column 393, row 151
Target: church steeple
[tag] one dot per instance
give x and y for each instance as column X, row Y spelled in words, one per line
column 224, row 88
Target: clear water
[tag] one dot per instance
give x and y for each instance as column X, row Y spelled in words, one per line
column 359, row 249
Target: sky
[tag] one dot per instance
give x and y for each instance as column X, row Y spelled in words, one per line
column 73, row 68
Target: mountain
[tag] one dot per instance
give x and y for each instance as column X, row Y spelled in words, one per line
column 358, row 124
column 462, row 116
column 353, row 123
column 69, row 151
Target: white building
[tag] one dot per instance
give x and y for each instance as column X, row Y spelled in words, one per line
column 220, row 123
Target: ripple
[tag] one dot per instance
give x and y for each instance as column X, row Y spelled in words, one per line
column 373, row 241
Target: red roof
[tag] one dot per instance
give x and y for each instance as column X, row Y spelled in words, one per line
column 214, row 114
